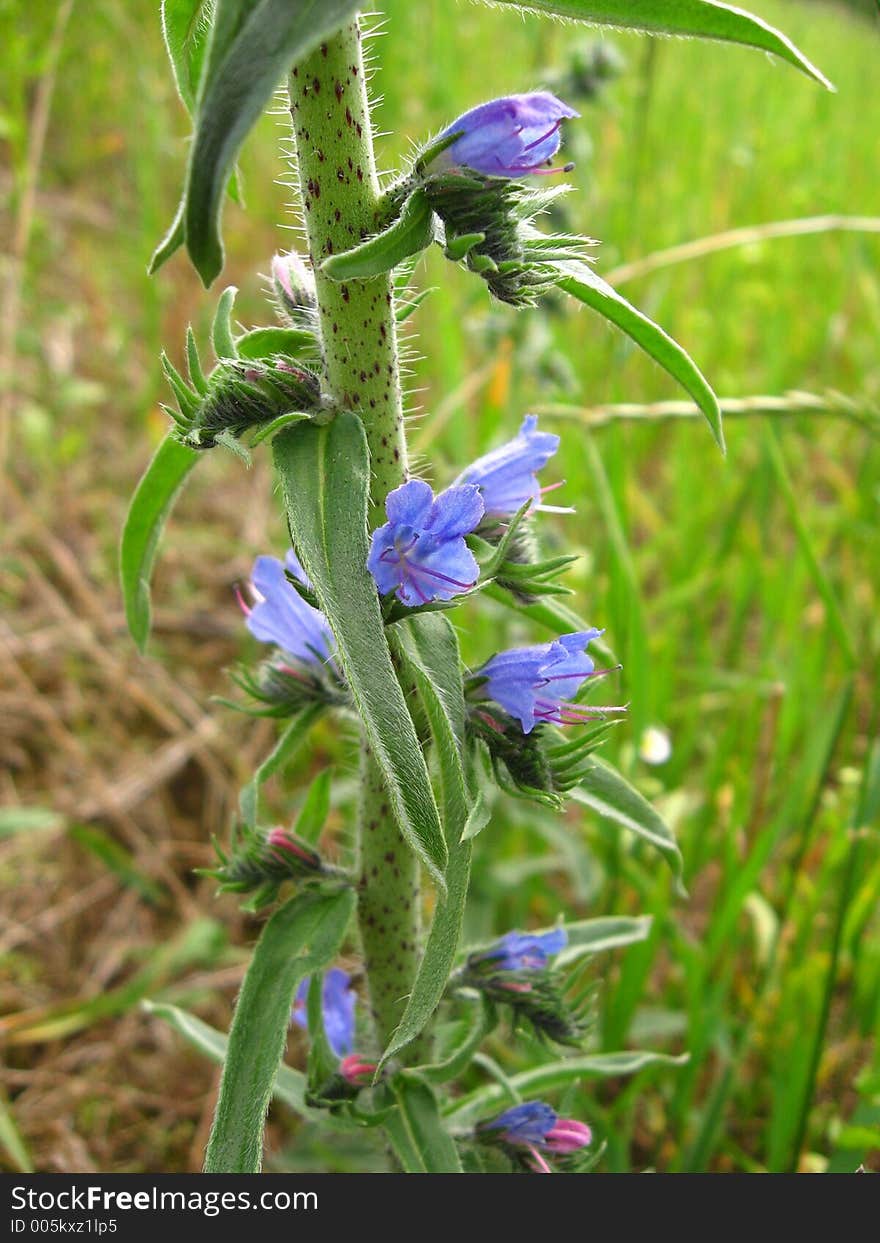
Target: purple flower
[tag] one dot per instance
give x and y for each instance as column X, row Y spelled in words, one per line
column 526, row 951
column 507, row 137
column 281, row 616
column 507, row 476
column 337, row 1007
column 535, row 1125
column 420, row 552
column 535, row 684
column 524, row 1124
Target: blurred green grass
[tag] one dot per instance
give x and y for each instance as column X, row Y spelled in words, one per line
column 740, row 594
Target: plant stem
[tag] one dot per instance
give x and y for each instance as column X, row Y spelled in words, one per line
column 341, row 202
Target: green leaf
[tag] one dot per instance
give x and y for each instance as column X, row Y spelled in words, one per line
column 533, row 1083
column 424, row 1127
column 29, row 820
column 429, row 649
column 221, row 329
column 301, row 936
column 170, row 243
column 606, row 791
column 460, row 1057
column 285, row 748
column 410, row 234
column 325, row 478
column 117, row 860
column 252, row 46
column 583, row 283
column 186, row 27
column 315, row 809
column 290, row 1084
column 150, row 506
column 270, row 342
column 11, row 1140
column 703, row 19
column 596, row 936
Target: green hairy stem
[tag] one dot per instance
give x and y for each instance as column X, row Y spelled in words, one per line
column 340, row 196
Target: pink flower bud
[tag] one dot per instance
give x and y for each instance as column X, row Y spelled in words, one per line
column 278, row 839
column 356, row 1071
column 568, row 1135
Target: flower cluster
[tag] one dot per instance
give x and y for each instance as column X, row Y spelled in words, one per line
column 529, row 1130
column 303, row 668
column 470, row 176
column 516, row 972
column 258, row 863
column 239, row 395
column 338, row 1002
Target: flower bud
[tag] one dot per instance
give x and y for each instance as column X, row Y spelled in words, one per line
column 245, row 394
column 293, row 285
column 513, row 136
column 356, row 1071
column 259, row 863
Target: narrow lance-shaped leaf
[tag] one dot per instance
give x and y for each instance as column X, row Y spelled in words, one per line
column 221, row 329
column 186, row 27
column 533, row 1083
column 301, row 936
column 583, row 283
column 607, row 792
column 424, row 1125
column 431, row 658
column 252, row 47
column 702, row 19
column 150, row 506
column 325, row 476
column 409, row 235
column 292, row 738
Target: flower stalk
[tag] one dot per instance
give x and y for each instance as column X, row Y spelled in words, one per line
column 341, row 206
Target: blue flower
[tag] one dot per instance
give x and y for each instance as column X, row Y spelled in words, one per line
column 524, row 1124
column 281, row 616
column 507, row 476
column 526, row 951
column 535, row 1125
column 507, row 137
column 337, row 1007
column 420, row 552
column 535, row 684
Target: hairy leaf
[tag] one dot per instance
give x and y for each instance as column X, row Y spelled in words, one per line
column 150, row 506
column 253, row 45
column 410, row 234
column 431, row 658
column 285, row 748
column 606, row 791
column 424, row 1127
column 583, row 283
column 703, row 19
column 325, row 477
column 301, row 936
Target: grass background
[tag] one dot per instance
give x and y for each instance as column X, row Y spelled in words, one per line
column 740, row 594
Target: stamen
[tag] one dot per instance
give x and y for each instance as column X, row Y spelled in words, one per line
column 550, row 132
column 539, row 1165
